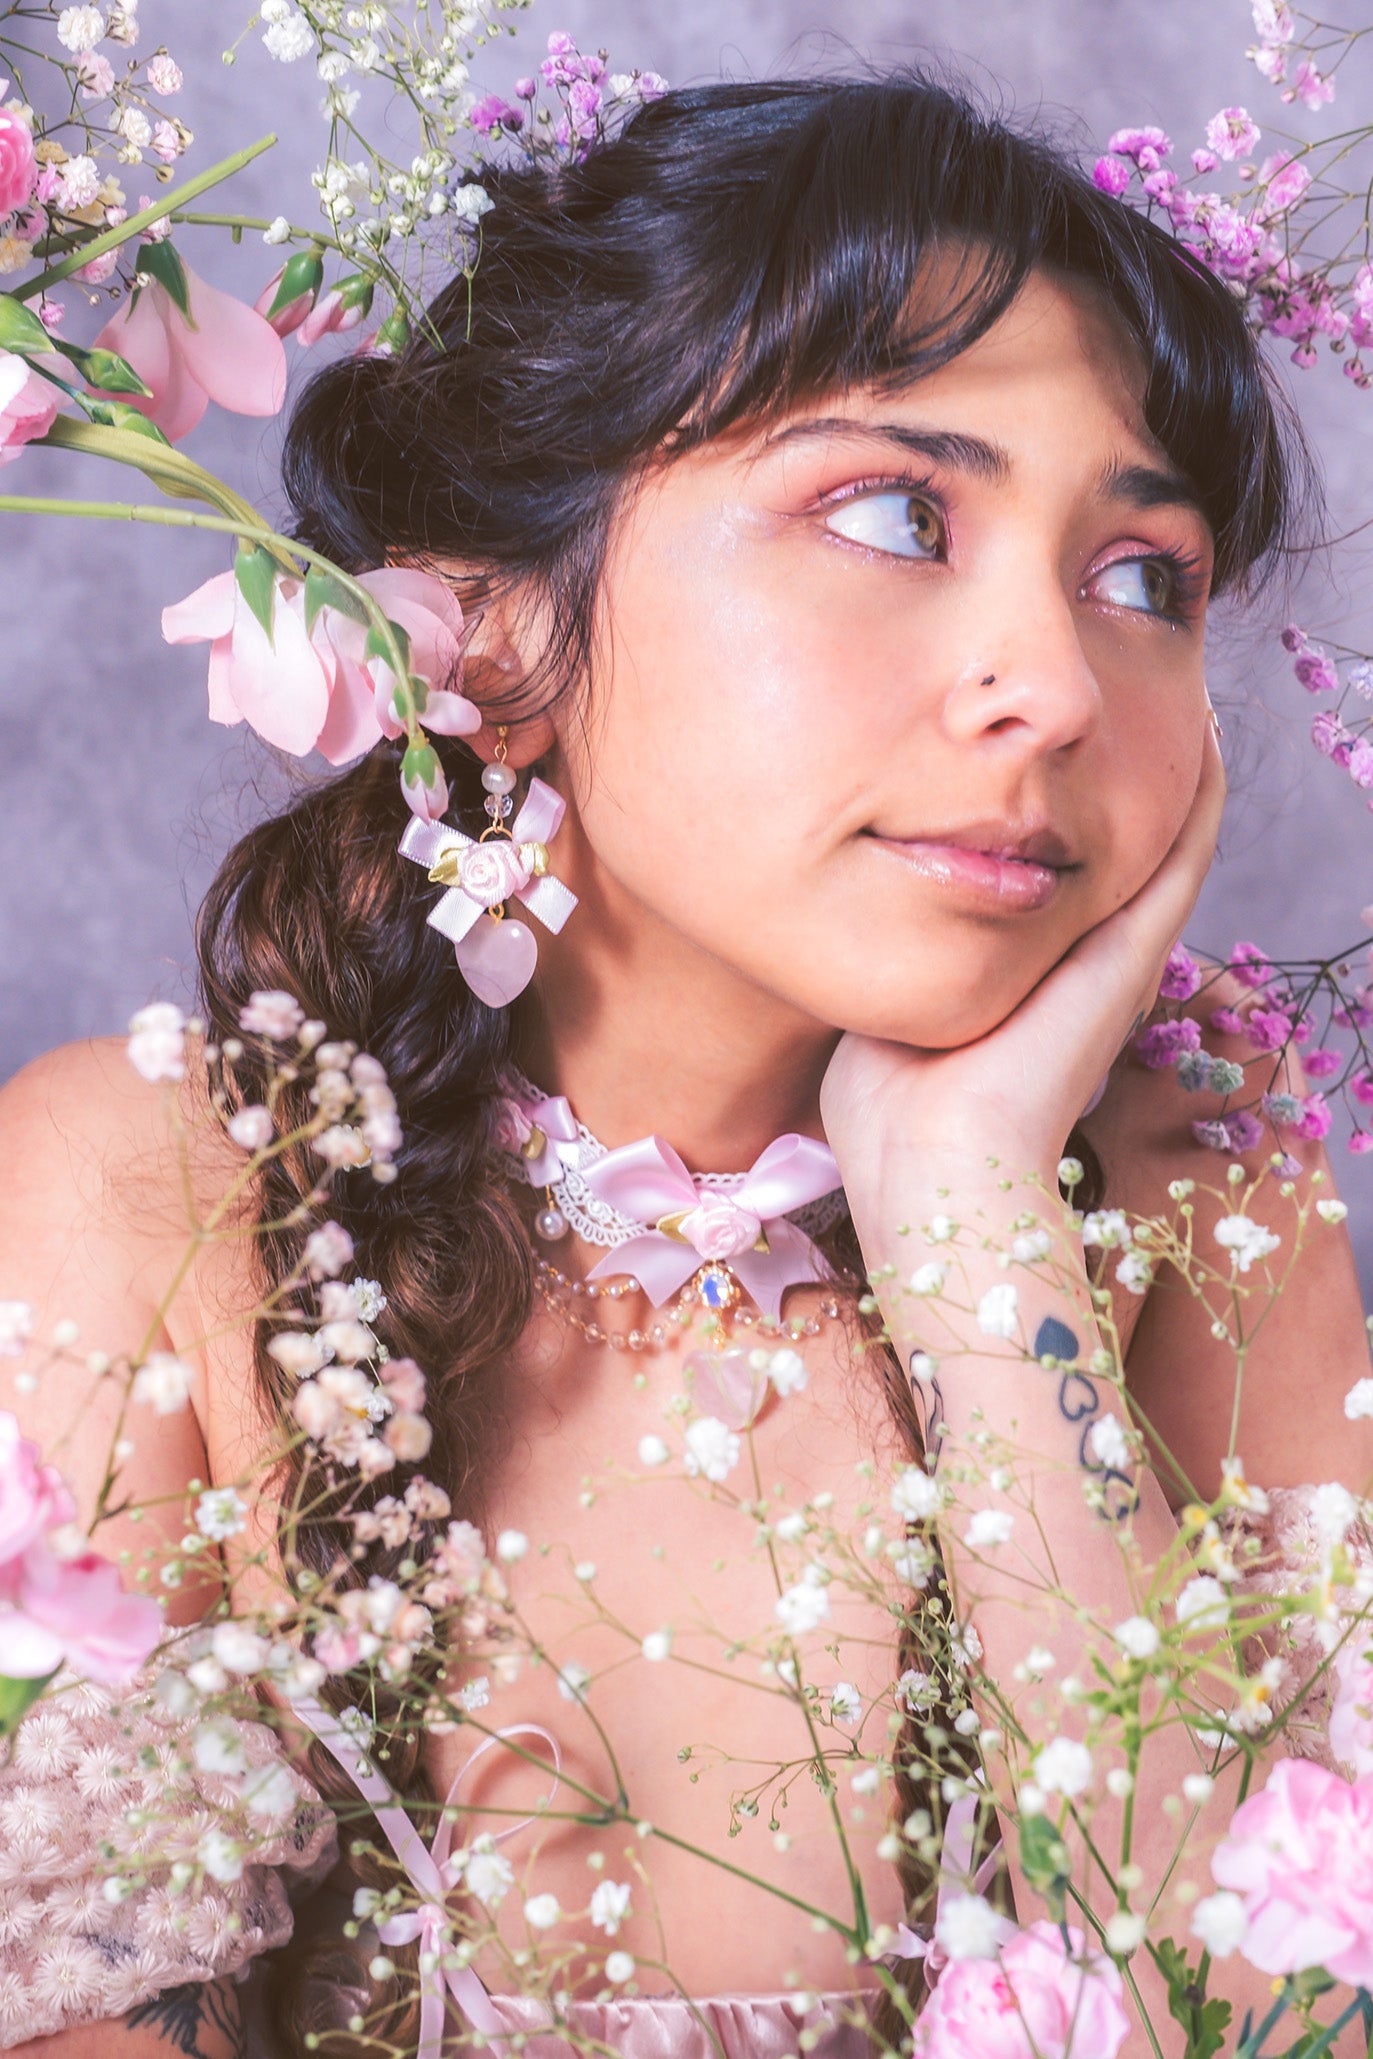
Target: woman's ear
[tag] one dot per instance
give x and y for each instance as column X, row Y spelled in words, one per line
column 495, row 669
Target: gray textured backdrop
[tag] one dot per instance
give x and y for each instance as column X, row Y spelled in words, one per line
column 117, row 797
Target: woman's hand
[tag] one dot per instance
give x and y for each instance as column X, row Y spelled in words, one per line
column 895, row 1115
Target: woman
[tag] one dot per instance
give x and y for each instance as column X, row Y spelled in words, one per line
column 834, row 483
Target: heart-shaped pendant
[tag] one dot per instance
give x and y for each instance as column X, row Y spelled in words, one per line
column 724, row 1384
column 497, row 960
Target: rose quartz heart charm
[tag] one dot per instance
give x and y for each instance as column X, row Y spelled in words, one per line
column 724, row 1384
column 497, row 960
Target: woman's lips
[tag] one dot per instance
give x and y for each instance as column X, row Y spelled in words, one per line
column 995, row 880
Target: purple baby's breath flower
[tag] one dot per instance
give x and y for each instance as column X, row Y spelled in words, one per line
column 1268, row 1029
column 492, row 113
column 1282, row 1109
column 1228, row 1021
column 1322, row 1065
column 1360, row 766
column 1159, row 184
column 1328, row 733
column 1252, row 966
column 1361, row 1142
column 1163, row 1043
column 1181, row 976
column 1204, row 161
column 526, row 89
column 1136, row 142
column 1316, row 1118
column 1361, row 1087
column 652, row 86
column 1246, row 1131
column 1316, row 671
column 1232, row 133
column 1213, row 1134
column 561, row 44
column 1309, row 87
column 1294, row 638
column 1111, row 175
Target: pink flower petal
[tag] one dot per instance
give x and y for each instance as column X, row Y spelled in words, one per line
column 234, row 354
column 204, row 614
column 281, row 688
column 351, row 726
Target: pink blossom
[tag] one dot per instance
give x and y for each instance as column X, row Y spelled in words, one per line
column 1315, row 1118
column 1360, row 766
column 1232, row 133
column 719, row 1228
column 1228, row 1021
column 33, row 1496
column 96, row 74
column 1361, row 1087
column 1315, row 671
column 1282, row 182
column 28, row 405
column 342, row 308
column 225, row 352
column 1148, row 147
column 1322, row 1065
column 168, row 141
column 286, row 302
column 271, row 1013
column 491, row 113
column 1163, row 1043
column 1294, row 638
column 164, row 74
column 1309, row 87
column 1037, row 1998
column 1204, row 161
column 1351, row 1716
column 1360, row 1143
column 511, row 1128
column 1301, row 1854
column 1273, row 20
column 18, row 166
column 404, row 1383
column 1181, row 976
column 316, row 689
column 1268, row 1029
column 1329, row 734
column 72, row 1610
column 1251, row 965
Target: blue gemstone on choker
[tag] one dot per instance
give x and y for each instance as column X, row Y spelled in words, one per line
column 716, row 1287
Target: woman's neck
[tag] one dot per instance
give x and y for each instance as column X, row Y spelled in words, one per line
column 644, row 1033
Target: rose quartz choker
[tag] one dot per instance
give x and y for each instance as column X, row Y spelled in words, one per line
column 704, row 1241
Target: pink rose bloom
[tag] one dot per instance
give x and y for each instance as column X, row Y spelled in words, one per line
column 1033, row 2002
column 511, row 1129
column 314, row 690
column 1301, row 1854
column 226, row 353
column 33, row 1496
column 1351, row 1717
column 491, row 873
column 718, row 1228
column 73, row 1610
column 18, row 165
column 28, row 405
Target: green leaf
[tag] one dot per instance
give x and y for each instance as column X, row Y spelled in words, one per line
column 303, row 273
column 257, row 580
column 117, row 414
column 20, row 329
column 1044, row 1862
column 324, row 589
column 376, row 644
column 420, row 765
column 161, row 262
column 16, row 1696
column 105, row 369
column 1204, row 2020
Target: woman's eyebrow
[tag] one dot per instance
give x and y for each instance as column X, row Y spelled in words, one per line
column 1138, row 485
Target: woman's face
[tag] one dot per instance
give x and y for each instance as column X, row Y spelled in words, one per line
column 897, row 698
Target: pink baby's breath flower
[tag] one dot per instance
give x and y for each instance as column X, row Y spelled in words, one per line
column 1163, row 1043
column 405, row 1384
column 1204, row 161
column 164, row 74
column 1315, row 671
column 1148, row 146
column 1038, row 1996
column 251, row 1127
column 327, row 1251
column 1251, row 965
column 1309, row 87
column 1294, row 638
column 1330, row 736
column 1228, row 1021
column 1181, row 976
column 1282, row 181
column 157, row 1042
column 1268, row 1029
column 271, row 1013
column 96, row 75
column 1111, row 175
column 1315, row 1118
column 1232, row 133
column 168, row 142
column 1361, row 1143
column 1360, row 766
column 1351, row 1717
column 1322, row 1065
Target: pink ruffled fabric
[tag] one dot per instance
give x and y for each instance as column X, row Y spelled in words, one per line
column 82, row 1762
column 722, row 2027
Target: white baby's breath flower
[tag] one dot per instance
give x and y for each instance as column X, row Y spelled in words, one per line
column 297, row 1352
column 712, row 1448
column 1136, row 1272
column 271, row 1013
column 866, row 1780
column 996, row 1311
column 653, row 1451
column 915, row 1495
column 917, row 1691
column 1124, row 1932
column 1333, row 1508
column 1031, row 1247
column 511, row 1545
column 16, row 1327
column 1120, row 1781
column 469, row 203
column 968, row 1927
column 290, row 39
column 217, row 1747
column 251, row 1128
column 221, row 1856
column 573, row 1681
column 803, row 1607
column 1197, row 1788
column 1106, row 1228
column 80, row 28
column 157, row 1042
column 1358, row 1401
column 1063, row 1767
column 163, row 1383
column 929, row 1278
column 942, row 1230
column 619, row 1967
column 988, row 1528
column 487, row 1874
column 846, row 1703
column 278, row 230
column 787, row 1371
column 476, row 1694
column 1245, row 1240
column 220, row 1513
column 327, row 1251
column 656, row 1646
column 342, row 1146
column 269, row 1792
column 1137, row 1637
column 1203, row 1602
column 791, row 1527
column 1107, row 1443
column 609, row 1905
column 541, row 1912
column 1220, row 1921
column 1332, row 1211
column 239, row 1650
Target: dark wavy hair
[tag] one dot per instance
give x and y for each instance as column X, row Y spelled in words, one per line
column 735, row 251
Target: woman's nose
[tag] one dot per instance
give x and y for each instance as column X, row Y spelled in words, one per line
column 1027, row 680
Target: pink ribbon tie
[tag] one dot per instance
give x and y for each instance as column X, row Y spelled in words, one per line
column 955, row 1862
column 744, row 1227
column 455, row 912
column 551, row 1116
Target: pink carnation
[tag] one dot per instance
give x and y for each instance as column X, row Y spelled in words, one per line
column 1351, row 1716
column 1034, row 2001
column 1301, row 1854
column 18, row 165
column 73, row 1611
column 33, row 1496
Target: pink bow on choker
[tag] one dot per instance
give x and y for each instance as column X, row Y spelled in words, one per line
column 541, row 1131
column 744, row 1228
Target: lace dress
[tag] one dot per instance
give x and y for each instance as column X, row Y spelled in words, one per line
column 96, row 1782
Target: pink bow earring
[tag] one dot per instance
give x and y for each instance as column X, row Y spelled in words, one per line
column 496, row 956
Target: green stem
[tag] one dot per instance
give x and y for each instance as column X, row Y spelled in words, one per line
column 145, row 219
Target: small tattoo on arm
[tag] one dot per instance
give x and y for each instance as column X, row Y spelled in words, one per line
column 183, row 2013
column 1080, row 1403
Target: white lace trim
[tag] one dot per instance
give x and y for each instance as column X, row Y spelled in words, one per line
column 598, row 1223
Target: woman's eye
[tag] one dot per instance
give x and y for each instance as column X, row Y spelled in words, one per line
column 1142, row 583
column 898, row 522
